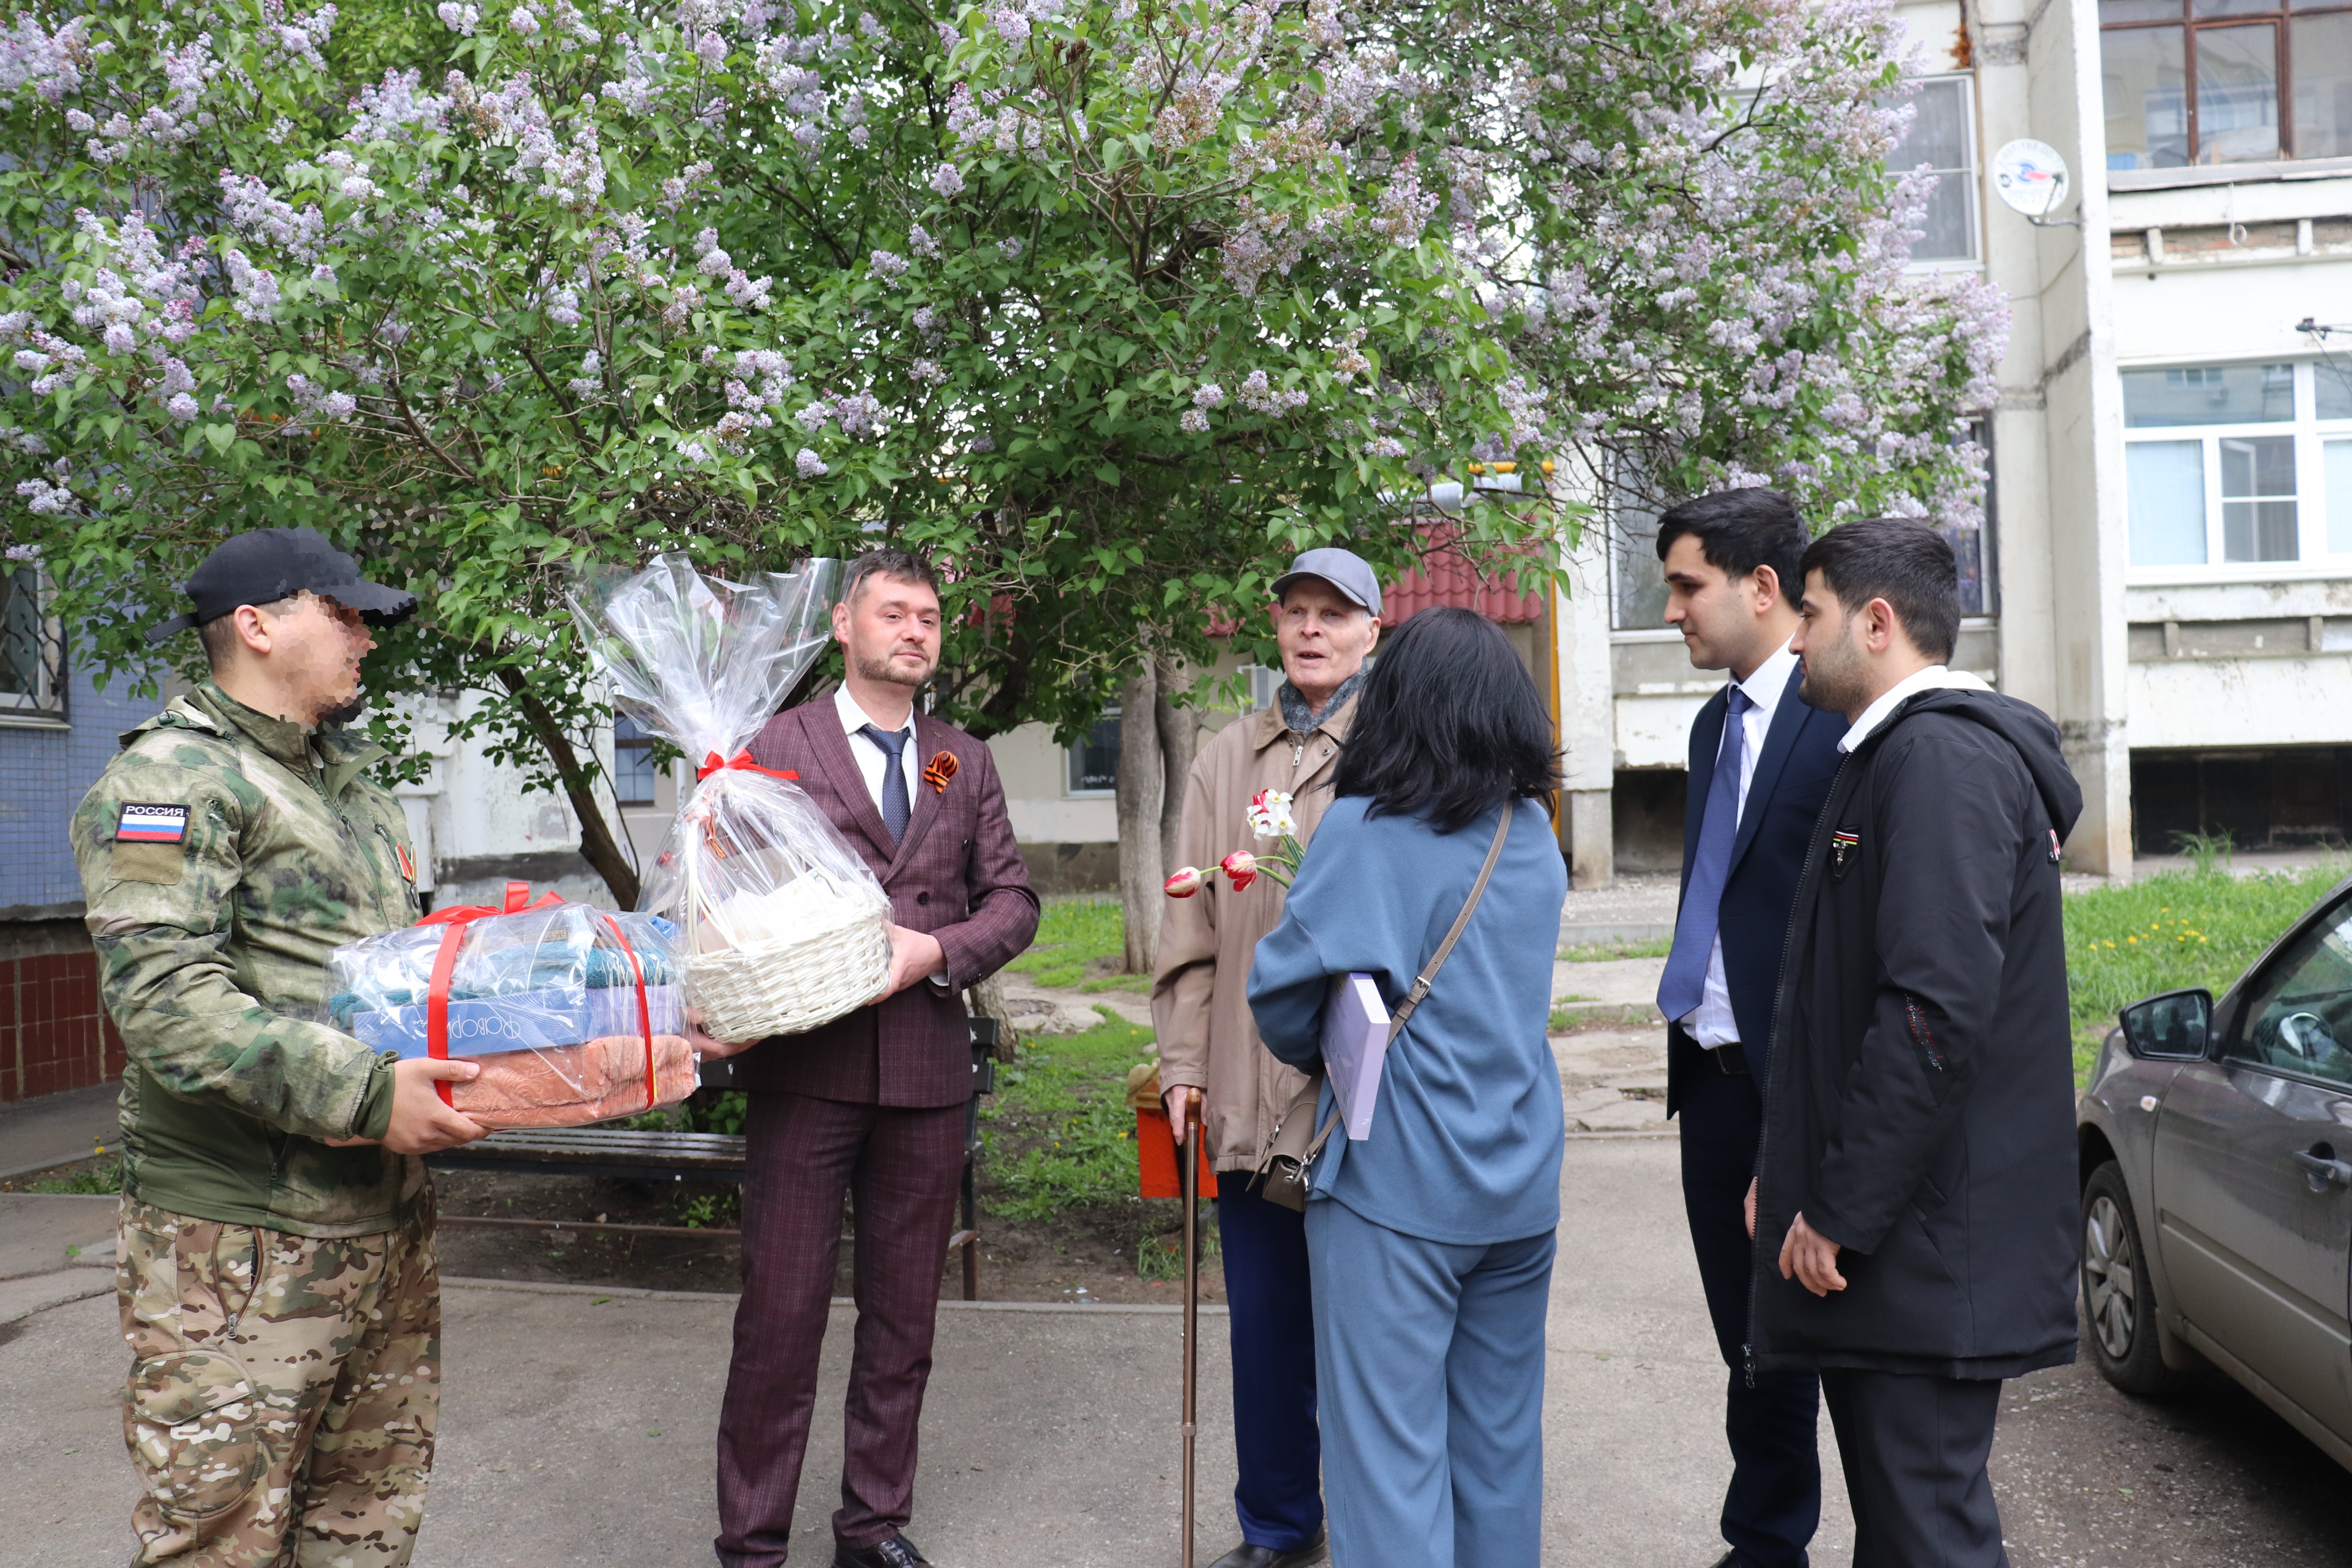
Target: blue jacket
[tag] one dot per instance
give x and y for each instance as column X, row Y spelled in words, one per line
column 1784, row 797
column 1466, row 1134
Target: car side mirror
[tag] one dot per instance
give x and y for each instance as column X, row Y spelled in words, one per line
column 2172, row 1028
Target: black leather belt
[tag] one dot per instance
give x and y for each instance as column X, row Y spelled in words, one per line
column 1731, row 1060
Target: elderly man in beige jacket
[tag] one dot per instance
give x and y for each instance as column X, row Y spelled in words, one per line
column 1326, row 620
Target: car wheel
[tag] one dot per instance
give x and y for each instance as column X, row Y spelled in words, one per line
column 2119, row 1304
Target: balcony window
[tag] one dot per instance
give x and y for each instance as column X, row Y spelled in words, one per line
column 2232, row 466
column 1943, row 136
column 2224, row 81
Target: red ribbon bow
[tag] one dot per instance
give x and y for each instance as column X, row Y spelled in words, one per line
column 456, row 918
column 711, row 765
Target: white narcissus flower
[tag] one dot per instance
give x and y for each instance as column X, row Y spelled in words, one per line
column 1269, row 815
column 1184, row 883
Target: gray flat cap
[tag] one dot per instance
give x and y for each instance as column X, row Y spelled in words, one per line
column 1343, row 569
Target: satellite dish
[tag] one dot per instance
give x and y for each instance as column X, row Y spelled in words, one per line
column 2031, row 177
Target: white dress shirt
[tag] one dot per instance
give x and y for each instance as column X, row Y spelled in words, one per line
column 1934, row 678
column 1711, row 1021
column 872, row 761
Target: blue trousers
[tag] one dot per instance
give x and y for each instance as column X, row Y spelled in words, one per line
column 1774, row 1501
column 1429, row 1358
column 1279, row 1494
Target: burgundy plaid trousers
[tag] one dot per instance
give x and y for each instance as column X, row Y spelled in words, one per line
column 872, row 1106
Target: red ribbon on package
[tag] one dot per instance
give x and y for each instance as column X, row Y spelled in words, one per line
column 445, row 964
column 645, row 1008
column 742, row 760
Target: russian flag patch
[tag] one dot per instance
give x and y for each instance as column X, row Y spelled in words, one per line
column 146, row 824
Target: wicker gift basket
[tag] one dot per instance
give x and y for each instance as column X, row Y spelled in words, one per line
column 784, row 926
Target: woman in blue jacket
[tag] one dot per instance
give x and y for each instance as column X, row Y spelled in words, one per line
column 1431, row 1241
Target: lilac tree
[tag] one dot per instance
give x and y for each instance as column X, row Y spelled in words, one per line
column 1108, row 306
column 1685, row 213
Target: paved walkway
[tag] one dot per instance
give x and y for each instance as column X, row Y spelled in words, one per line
column 35, row 1134
column 580, row 1431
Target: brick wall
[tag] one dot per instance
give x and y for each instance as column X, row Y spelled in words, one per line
column 54, row 1034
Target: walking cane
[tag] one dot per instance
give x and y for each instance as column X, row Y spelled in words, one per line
column 1188, row 1156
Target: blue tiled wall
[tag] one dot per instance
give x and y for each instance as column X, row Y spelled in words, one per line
column 43, row 774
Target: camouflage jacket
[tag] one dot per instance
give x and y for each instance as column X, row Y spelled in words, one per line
column 224, row 855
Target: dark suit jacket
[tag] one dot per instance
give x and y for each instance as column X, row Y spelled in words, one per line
column 956, row 874
column 1784, row 797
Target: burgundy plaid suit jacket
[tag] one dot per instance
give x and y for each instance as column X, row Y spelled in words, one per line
column 956, row 874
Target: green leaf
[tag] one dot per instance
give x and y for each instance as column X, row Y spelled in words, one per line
column 220, row 436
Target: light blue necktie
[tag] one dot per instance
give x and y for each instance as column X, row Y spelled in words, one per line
column 1685, row 978
column 894, row 778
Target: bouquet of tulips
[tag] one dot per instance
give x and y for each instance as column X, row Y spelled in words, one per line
column 1269, row 817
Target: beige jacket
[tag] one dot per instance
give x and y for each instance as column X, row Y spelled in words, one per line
column 1199, row 997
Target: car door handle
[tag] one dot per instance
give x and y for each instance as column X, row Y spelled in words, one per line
column 2322, row 1170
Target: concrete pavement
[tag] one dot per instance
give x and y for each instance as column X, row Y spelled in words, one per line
column 35, row 1134
column 576, row 1430
column 580, row 1431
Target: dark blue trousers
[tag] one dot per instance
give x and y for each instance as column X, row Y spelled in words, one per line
column 1774, row 1502
column 1278, row 1450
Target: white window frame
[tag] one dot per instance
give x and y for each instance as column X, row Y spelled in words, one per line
column 1973, row 173
column 2310, row 434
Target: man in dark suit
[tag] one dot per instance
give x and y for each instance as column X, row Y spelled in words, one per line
column 1760, row 766
column 872, row 1104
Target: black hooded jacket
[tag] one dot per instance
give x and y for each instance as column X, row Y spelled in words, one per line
column 1919, row 1107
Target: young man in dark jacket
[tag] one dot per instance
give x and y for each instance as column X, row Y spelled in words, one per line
column 1914, row 1199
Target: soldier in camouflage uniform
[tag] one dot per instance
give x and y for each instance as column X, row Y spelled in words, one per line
column 277, row 1276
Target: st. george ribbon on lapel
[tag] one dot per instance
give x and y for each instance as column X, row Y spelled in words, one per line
column 828, row 753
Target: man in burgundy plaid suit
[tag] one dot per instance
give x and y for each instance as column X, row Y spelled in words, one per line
column 872, row 1104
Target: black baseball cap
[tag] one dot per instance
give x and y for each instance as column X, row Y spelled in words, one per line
column 273, row 564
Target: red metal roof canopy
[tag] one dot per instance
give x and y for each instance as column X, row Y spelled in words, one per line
column 1446, row 579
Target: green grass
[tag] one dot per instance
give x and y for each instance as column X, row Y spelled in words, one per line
column 1062, row 1136
column 2172, row 930
column 1609, row 952
column 1061, row 1147
column 107, row 1178
column 1081, row 942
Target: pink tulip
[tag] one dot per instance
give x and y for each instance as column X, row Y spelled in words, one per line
column 1184, row 883
column 1240, row 868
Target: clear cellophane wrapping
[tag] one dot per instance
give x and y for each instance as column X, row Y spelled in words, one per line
column 573, row 1014
column 783, row 925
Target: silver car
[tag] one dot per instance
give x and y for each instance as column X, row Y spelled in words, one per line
column 2217, row 1184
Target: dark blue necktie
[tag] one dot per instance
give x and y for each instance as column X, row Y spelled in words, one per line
column 1685, row 978
column 894, row 779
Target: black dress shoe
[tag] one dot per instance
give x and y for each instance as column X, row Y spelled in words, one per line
column 1247, row 1556
column 896, row 1552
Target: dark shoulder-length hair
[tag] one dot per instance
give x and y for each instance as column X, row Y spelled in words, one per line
column 1449, row 725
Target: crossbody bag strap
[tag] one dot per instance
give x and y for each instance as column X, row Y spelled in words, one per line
column 1428, row 974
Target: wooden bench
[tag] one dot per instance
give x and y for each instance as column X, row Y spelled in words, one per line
column 709, row 1156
